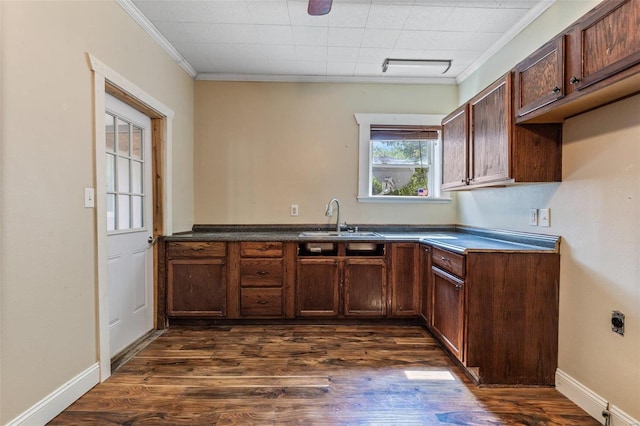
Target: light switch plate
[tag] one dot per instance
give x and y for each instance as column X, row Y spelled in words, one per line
column 544, row 216
column 89, row 198
column 533, row 217
column 294, row 210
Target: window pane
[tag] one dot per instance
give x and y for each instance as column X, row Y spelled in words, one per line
column 111, row 212
column 123, row 137
column 136, row 177
column 136, row 143
column 136, row 205
column 123, row 175
column 109, row 132
column 124, row 218
column 400, row 168
column 111, row 173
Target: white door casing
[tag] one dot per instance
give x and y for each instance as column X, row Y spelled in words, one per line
column 129, row 223
column 104, row 76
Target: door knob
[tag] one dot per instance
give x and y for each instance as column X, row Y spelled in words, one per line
column 151, row 241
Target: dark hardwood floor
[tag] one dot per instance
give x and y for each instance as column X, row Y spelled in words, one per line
column 307, row 375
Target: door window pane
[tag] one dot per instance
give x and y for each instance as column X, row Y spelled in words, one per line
column 109, row 133
column 136, row 143
column 123, row 137
column 136, row 177
column 136, row 211
column 124, row 212
column 111, row 212
column 123, row 175
column 111, row 173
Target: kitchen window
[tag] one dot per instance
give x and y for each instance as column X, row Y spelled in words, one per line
column 400, row 158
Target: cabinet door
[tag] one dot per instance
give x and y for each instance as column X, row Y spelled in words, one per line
column 426, row 287
column 365, row 287
column 405, row 281
column 448, row 311
column 539, row 79
column 196, row 288
column 455, row 135
column 490, row 140
column 610, row 41
column 318, row 288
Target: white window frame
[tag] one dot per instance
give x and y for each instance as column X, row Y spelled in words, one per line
column 365, row 121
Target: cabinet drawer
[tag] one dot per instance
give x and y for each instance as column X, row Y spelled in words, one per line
column 196, row 249
column 260, row 273
column 261, row 302
column 261, row 249
column 450, row 262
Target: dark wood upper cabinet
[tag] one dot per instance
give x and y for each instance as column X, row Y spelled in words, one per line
column 490, row 135
column 496, row 151
column 610, row 41
column 455, row 156
column 539, row 79
column 599, row 61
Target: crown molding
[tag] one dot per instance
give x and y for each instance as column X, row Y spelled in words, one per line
column 151, row 29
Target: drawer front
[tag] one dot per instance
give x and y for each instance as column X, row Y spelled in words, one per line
column 261, row 302
column 196, row 249
column 261, row 249
column 450, row 262
column 261, row 273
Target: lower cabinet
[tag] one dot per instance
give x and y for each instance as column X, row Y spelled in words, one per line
column 448, row 310
column 196, row 279
column 426, row 283
column 318, row 288
column 404, row 279
column 365, row 288
column 341, row 286
column 497, row 313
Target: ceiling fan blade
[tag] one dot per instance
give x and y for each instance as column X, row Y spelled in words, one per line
column 319, row 7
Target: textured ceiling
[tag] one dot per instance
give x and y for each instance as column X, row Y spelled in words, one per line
column 278, row 40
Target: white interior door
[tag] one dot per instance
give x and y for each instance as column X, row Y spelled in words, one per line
column 129, row 223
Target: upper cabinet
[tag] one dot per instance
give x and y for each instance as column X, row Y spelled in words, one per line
column 539, row 79
column 593, row 62
column 482, row 146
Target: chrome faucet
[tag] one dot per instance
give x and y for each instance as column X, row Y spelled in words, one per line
column 329, row 212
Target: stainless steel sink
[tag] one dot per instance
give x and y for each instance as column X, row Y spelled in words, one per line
column 345, row 234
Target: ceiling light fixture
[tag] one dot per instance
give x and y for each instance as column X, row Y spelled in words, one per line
column 417, row 63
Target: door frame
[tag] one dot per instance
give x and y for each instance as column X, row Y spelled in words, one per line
column 107, row 80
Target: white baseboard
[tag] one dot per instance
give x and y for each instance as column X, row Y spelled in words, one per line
column 591, row 402
column 55, row 403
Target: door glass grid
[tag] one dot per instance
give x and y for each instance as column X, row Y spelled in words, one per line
column 125, row 166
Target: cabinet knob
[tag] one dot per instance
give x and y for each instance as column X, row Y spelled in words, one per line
column 556, row 90
column 262, row 302
column 262, row 272
column 458, row 286
column 574, row 80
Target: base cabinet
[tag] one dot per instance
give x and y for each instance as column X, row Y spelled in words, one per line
column 365, row 288
column 448, row 311
column 196, row 279
column 497, row 314
column 318, row 288
column 404, row 279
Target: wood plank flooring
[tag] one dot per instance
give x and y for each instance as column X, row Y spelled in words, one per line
column 307, row 375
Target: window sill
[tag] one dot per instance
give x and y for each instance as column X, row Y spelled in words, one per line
column 400, row 199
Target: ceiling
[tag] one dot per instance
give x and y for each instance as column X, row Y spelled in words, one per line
column 276, row 40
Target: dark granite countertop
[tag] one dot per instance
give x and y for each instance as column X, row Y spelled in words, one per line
column 456, row 238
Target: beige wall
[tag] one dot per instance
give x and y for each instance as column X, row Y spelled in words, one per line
column 596, row 211
column 48, row 276
column 260, row 147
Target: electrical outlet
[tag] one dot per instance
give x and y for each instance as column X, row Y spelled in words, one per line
column 533, row 217
column 617, row 322
column 294, row 210
column 544, row 217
